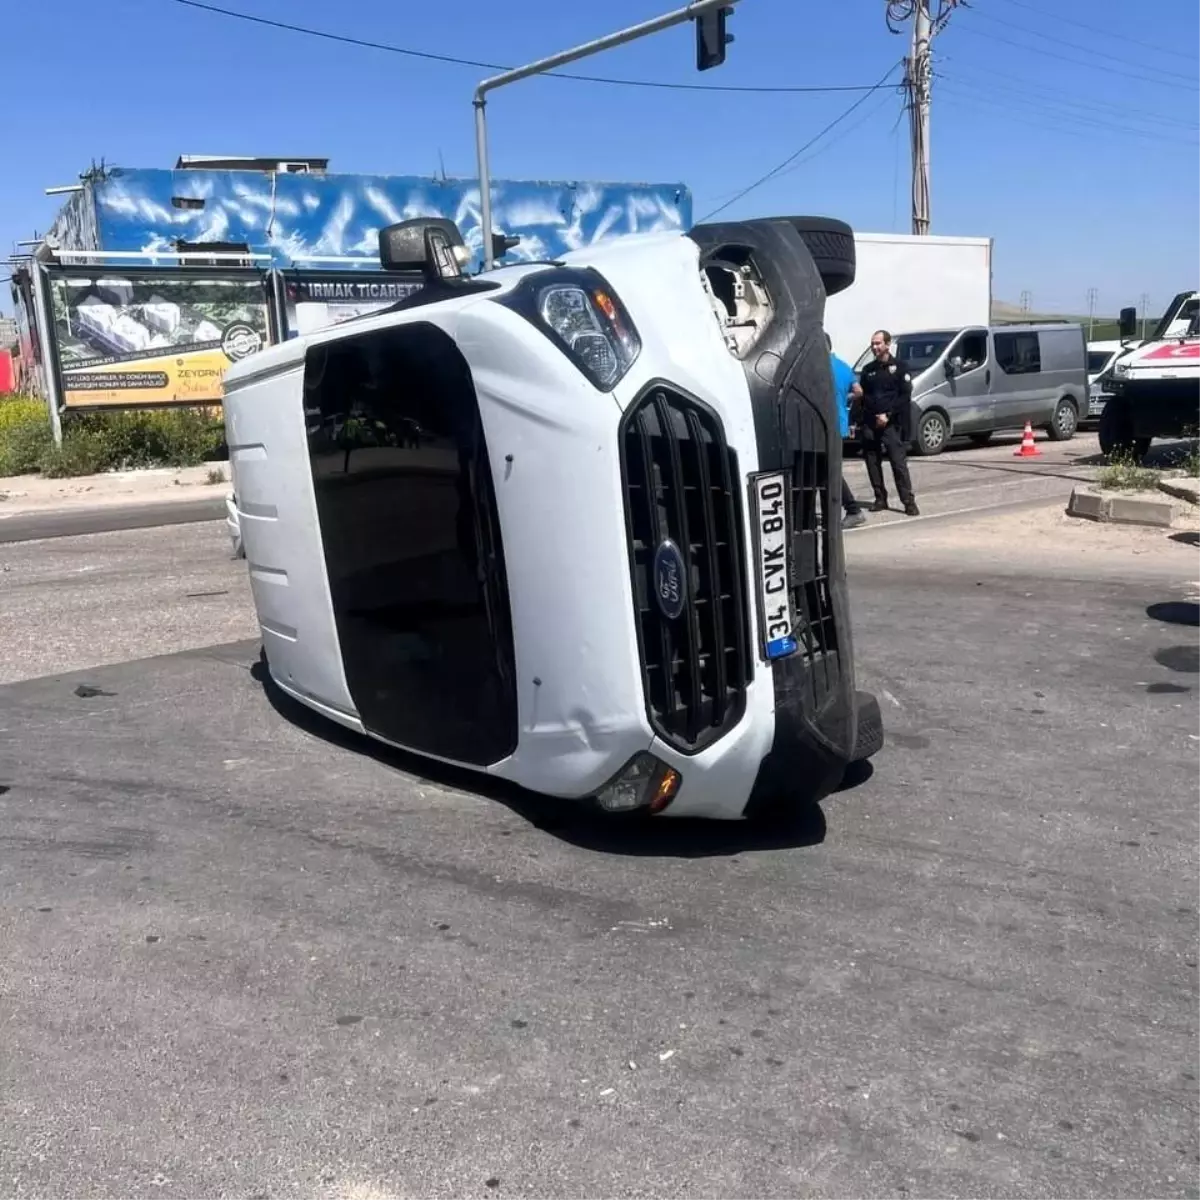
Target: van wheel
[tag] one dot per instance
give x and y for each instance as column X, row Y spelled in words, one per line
column 933, row 432
column 981, row 439
column 1066, row 421
column 831, row 244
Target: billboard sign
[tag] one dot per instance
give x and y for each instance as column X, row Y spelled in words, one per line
column 126, row 339
column 316, row 299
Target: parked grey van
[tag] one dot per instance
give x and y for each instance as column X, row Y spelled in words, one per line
column 977, row 380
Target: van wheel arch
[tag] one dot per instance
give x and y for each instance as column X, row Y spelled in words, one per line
column 921, row 444
column 1062, row 428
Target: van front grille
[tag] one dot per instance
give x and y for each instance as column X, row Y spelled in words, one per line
column 682, row 486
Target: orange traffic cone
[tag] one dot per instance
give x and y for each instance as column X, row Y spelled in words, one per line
column 1028, row 447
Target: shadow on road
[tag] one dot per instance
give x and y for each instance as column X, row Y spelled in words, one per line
column 1183, row 660
column 633, row 835
column 1175, row 612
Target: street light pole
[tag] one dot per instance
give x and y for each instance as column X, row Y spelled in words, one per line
column 689, row 12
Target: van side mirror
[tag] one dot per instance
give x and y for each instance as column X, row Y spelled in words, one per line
column 431, row 245
column 502, row 243
column 1127, row 324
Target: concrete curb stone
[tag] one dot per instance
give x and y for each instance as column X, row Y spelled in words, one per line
column 1120, row 510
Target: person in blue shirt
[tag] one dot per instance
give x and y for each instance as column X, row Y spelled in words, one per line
column 845, row 387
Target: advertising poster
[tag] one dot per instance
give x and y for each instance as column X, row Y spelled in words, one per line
column 317, row 299
column 124, row 341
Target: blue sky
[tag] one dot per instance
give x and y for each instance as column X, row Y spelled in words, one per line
column 1065, row 129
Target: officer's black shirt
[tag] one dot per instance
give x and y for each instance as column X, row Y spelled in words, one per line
column 887, row 387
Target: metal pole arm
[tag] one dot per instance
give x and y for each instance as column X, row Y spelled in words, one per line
column 690, row 11
column 654, row 25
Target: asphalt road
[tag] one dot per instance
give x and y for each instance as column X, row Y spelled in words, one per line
column 966, row 478
column 68, row 602
column 246, row 957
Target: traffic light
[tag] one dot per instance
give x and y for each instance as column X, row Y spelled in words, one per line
column 711, row 38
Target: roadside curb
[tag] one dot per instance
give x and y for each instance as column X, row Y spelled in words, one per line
column 1092, row 505
column 30, row 525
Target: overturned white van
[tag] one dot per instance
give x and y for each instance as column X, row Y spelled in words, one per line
column 575, row 524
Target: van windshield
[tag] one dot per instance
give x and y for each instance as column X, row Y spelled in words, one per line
column 1098, row 360
column 921, row 350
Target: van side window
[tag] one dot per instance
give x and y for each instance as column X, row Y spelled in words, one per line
column 972, row 349
column 1018, row 353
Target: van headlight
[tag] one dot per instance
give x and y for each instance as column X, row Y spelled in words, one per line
column 644, row 782
column 583, row 316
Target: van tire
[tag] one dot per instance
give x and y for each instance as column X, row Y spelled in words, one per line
column 831, row 244
column 1065, row 421
column 932, row 433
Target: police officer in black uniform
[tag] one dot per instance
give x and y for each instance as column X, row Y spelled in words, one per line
column 886, row 396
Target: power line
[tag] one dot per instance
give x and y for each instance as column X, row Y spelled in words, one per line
column 1079, row 62
column 430, row 56
column 1048, row 118
column 730, row 197
column 1063, row 108
column 862, row 120
column 1057, row 41
column 1122, row 37
column 1020, row 86
column 791, row 158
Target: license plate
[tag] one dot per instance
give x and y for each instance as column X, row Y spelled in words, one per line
column 769, row 495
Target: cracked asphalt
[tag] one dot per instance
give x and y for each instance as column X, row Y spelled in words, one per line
column 247, row 956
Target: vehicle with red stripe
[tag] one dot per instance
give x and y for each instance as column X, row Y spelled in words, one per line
column 1154, row 390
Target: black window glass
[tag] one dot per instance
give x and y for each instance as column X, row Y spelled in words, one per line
column 1018, row 353
column 412, row 544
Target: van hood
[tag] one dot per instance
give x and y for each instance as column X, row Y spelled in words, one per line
column 1168, row 358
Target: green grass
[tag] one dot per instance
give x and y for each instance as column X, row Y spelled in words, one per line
column 1127, row 475
column 104, row 441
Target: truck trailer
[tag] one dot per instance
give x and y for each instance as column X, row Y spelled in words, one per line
column 907, row 282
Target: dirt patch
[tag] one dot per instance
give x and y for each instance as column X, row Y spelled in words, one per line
column 32, row 493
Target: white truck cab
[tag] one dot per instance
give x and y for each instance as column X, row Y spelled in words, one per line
column 1154, row 390
column 573, row 524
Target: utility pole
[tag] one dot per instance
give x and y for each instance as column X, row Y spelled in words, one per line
column 1144, row 300
column 1093, row 295
column 928, row 18
column 1026, row 302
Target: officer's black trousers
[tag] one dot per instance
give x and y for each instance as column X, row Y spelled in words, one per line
column 875, row 444
column 849, row 504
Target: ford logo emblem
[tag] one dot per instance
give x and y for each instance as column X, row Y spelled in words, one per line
column 670, row 579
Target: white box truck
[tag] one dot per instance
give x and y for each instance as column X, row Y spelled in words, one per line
column 904, row 282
